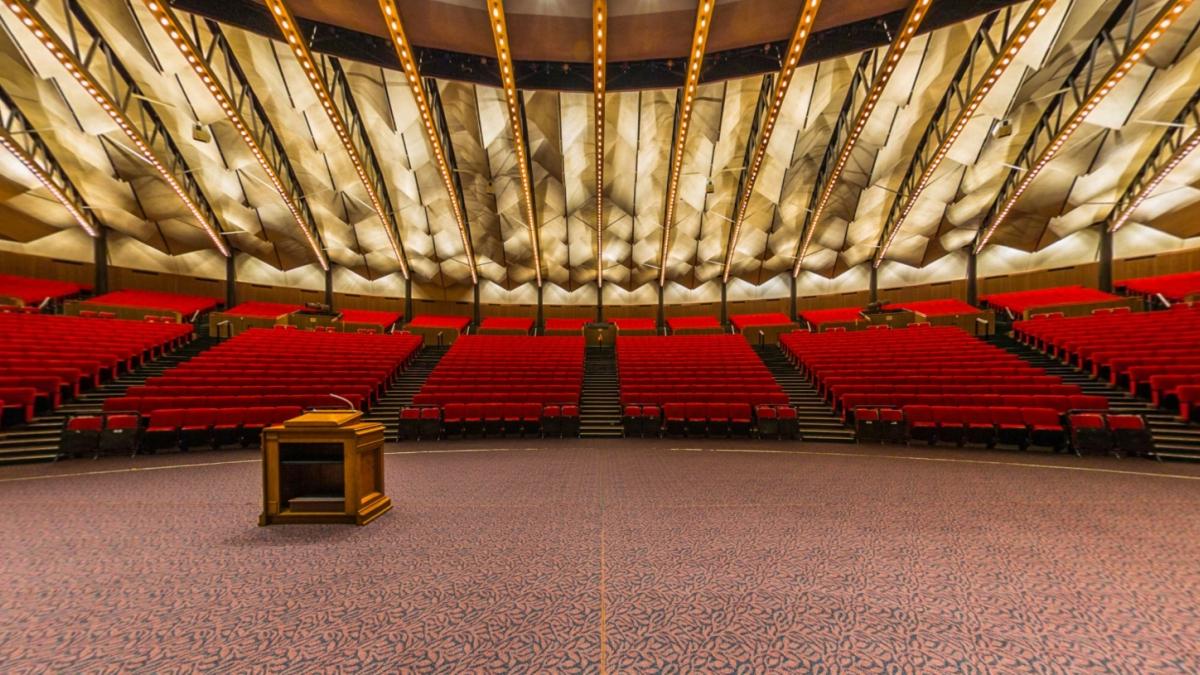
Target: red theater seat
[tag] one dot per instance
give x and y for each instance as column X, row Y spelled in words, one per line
column 1089, row 434
column 81, row 436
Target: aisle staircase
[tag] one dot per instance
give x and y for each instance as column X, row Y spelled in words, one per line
column 818, row 422
column 1173, row 438
column 600, row 403
column 400, row 394
column 38, row 440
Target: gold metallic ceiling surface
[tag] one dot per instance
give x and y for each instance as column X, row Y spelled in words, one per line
column 500, row 185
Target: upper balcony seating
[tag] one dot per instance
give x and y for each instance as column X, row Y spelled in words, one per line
column 1173, row 287
column 1155, row 354
column 1019, row 302
column 263, row 309
column 370, row 317
column 45, row 358
column 743, row 321
column 31, row 291
column 186, row 305
column 274, row 368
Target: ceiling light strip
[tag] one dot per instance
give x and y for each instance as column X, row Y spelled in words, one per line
column 704, row 12
column 36, row 25
column 1004, row 58
column 18, row 137
column 1150, row 35
column 408, row 63
column 808, row 16
column 908, row 30
column 599, row 82
column 175, row 31
column 499, row 31
column 291, row 34
column 1172, row 148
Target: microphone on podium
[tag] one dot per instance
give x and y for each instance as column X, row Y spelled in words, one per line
column 348, row 402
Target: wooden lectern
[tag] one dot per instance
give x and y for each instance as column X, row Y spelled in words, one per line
column 323, row 467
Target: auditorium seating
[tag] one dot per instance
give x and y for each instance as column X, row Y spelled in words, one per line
column 743, row 321
column 367, row 317
column 699, row 384
column 940, row 307
column 947, row 385
column 504, row 385
column 566, row 326
column 635, row 326
column 1173, row 287
column 186, row 305
column 46, row 358
column 1017, row 303
column 694, row 325
column 31, row 291
column 817, row 318
column 263, row 309
column 203, row 401
column 1155, row 354
column 506, row 325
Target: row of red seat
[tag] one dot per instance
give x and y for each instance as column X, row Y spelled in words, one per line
column 698, row 369
column 1174, row 287
column 1085, row 432
column 172, row 302
column 32, row 291
column 1155, row 354
column 488, row 419
column 507, row 368
column 185, row 428
column 1017, row 302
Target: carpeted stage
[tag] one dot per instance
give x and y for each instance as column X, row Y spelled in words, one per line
column 622, row 557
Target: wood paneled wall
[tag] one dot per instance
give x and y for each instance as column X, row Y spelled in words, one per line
column 1083, row 275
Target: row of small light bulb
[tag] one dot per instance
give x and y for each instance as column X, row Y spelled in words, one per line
column 44, row 178
column 916, row 14
column 1180, row 154
column 171, row 25
column 692, row 80
column 395, row 24
column 1149, row 36
column 500, row 37
column 50, row 41
column 599, row 41
column 287, row 25
column 1030, row 22
column 808, row 16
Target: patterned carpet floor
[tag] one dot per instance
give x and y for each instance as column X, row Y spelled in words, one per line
column 629, row 557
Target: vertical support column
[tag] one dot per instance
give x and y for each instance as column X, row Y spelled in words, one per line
column 662, row 319
column 475, row 308
column 100, row 261
column 972, row 276
column 792, row 315
column 1105, row 281
column 724, row 304
column 329, row 287
column 539, row 327
column 230, row 280
column 599, row 303
column 408, row 300
column 874, row 294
